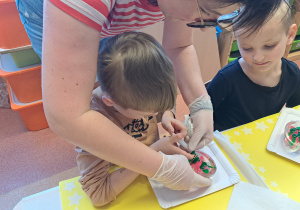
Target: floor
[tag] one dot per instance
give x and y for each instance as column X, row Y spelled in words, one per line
column 34, row 161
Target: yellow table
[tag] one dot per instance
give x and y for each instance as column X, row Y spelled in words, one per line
column 280, row 174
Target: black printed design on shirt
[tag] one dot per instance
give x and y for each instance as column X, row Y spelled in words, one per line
column 137, row 126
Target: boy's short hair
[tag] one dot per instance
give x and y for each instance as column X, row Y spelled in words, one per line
column 254, row 13
column 283, row 13
column 137, row 74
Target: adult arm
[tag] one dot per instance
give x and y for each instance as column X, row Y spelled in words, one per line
column 70, row 50
column 178, row 43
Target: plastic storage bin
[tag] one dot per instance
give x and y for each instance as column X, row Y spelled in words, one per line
column 25, row 58
column 13, row 34
column 8, row 66
column 31, row 113
column 26, row 84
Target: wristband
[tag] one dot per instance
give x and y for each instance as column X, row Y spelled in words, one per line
column 203, row 102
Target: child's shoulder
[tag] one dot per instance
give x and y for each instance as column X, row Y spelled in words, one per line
column 231, row 68
column 290, row 65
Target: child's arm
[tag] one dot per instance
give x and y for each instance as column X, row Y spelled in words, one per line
column 217, row 90
column 122, row 178
column 99, row 185
column 294, row 99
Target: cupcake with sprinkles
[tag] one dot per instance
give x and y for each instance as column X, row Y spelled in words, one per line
column 292, row 136
column 203, row 164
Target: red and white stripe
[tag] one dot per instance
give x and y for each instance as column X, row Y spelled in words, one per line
column 112, row 17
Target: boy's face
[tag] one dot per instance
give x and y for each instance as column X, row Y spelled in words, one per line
column 133, row 114
column 263, row 50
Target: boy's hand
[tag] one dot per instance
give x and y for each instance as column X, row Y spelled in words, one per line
column 168, row 145
column 172, row 125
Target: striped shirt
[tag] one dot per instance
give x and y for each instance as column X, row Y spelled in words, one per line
column 112, row 17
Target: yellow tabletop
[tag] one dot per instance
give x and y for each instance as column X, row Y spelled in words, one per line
column 280, row 174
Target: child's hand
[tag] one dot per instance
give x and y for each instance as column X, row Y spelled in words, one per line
column 172, row 125
column 168, row 145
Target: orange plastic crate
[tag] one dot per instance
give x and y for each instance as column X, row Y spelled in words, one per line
column 26, row 84
column 31, row 113
column 12, row 32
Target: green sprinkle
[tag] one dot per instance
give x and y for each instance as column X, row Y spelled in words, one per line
column 292, row 131
column 206, row 171
column 203, row 165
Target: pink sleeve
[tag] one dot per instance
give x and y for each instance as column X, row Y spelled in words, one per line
column 91, row 12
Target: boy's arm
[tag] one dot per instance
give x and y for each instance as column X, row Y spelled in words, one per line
column 103, row 189
column 294, row 100
column 121, row 179
column 99, row 185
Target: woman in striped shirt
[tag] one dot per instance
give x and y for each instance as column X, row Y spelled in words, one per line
column 71, row 31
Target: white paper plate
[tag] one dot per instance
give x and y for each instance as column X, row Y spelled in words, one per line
column 225, row 176
column 275, row 143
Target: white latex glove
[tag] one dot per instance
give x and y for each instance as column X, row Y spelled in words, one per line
column 176, row 173
column 202, row 129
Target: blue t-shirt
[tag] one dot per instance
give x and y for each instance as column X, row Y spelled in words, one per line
column 238, row 100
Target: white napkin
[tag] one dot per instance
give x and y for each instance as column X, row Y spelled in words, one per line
column 246, row 196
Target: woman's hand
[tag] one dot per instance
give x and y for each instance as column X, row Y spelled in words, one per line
column 203, row 129
column 172, row 125
column 168, row 145
column 176, row 173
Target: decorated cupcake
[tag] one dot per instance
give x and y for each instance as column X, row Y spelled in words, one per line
column 292, row 136
column 203, row 164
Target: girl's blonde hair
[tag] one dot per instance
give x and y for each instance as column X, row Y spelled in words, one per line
column 137, row 74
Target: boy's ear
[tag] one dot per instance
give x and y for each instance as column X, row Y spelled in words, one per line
column 107, row 100
column 292, row 34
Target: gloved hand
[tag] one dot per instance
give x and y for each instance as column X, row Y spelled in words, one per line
column 202, row 129
column 176, row 173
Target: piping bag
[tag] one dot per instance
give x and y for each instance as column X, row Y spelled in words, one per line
column 239, row 161
column 189, row 127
